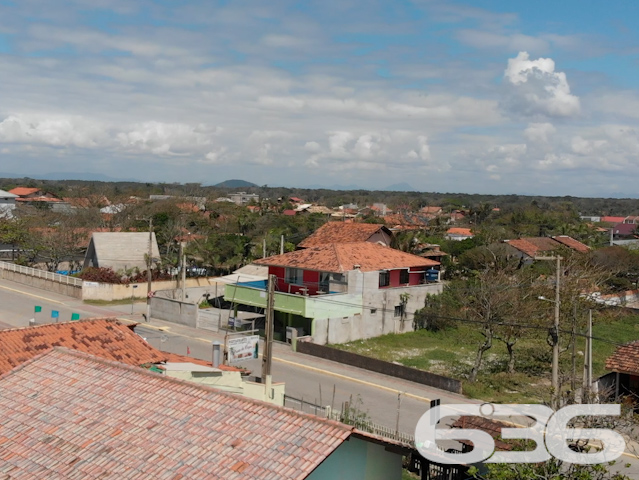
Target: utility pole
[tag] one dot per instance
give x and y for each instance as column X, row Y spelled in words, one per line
column 587, row 380
column 149, row 277
column 554, row 334
column 282, row 245
column 267, row 355
column 183, row 272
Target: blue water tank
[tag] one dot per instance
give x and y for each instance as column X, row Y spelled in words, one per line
column 432, row 275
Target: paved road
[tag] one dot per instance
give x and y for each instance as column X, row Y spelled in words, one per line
column 306, row 377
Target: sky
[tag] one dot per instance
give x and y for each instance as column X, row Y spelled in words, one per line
column 483, row 96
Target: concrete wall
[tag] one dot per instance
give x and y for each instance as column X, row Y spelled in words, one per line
column 174, row 311
column 42, row 283
column 109, row 292
column 380, row 366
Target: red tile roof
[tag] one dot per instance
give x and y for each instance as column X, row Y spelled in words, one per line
column 67, row 414
column 342, row 257
column 38, row 199
column 625, row 359
column 290, row 213
column 613, row 220
column 341, row 232
column 572, row 243
column 459, row 231
column 104, row 337
column 532, row 246
column 23, row 191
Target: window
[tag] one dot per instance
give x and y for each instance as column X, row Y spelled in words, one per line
column 404, row 277
column 294, row 276
column 338, row 278
column 399, row 310
column 324, row 281
column 384, row 278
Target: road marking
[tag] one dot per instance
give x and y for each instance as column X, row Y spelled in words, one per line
column 33, row 295
column 356, row 380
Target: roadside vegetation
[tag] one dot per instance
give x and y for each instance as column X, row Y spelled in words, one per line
column 451, row 352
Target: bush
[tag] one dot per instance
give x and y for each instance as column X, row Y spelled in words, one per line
column 102, row 275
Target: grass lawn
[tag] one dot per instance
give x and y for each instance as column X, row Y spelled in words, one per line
column 452, row 353
column 124, row 301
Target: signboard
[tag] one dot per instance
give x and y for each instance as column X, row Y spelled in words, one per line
column 241, row 349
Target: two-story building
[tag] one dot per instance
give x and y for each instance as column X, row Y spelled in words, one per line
column 342, row 292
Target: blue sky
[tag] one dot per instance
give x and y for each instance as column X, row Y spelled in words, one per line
column 480, row 97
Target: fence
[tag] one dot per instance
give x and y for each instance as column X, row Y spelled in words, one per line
column 34, row 272
column 349, row 417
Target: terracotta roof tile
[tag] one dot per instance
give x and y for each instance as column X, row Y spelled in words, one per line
column 342, row 257
column 532, row 246
column 625, row 359
column 21, row 191
column 492, row 427
column 67, row 414
column 572, row 243
column 459, row 231
column 341, row 232
column 104, row 337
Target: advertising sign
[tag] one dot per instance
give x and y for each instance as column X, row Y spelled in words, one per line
column 243, row 348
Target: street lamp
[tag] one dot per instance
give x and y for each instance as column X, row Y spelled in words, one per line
column 555, row 333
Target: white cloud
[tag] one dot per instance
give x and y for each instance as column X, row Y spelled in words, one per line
column 586, row 147
column 53, row 130
column 166, row 138
column 539, row 132
column 535, row 88
column 380, row 150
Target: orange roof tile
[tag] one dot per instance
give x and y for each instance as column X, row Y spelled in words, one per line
column 341, row 232
column 68, row 414
column 104, row 337
column 613, row 220
column 532, row 246
column 342, row 257
column 572, row 243
column 22, row 191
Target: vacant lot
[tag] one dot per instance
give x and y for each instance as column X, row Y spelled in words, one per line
column 452, row 352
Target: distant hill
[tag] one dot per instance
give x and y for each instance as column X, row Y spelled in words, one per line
column 400, row 187
column 235, row 184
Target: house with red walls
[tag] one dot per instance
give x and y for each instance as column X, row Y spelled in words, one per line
column 341, row 292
